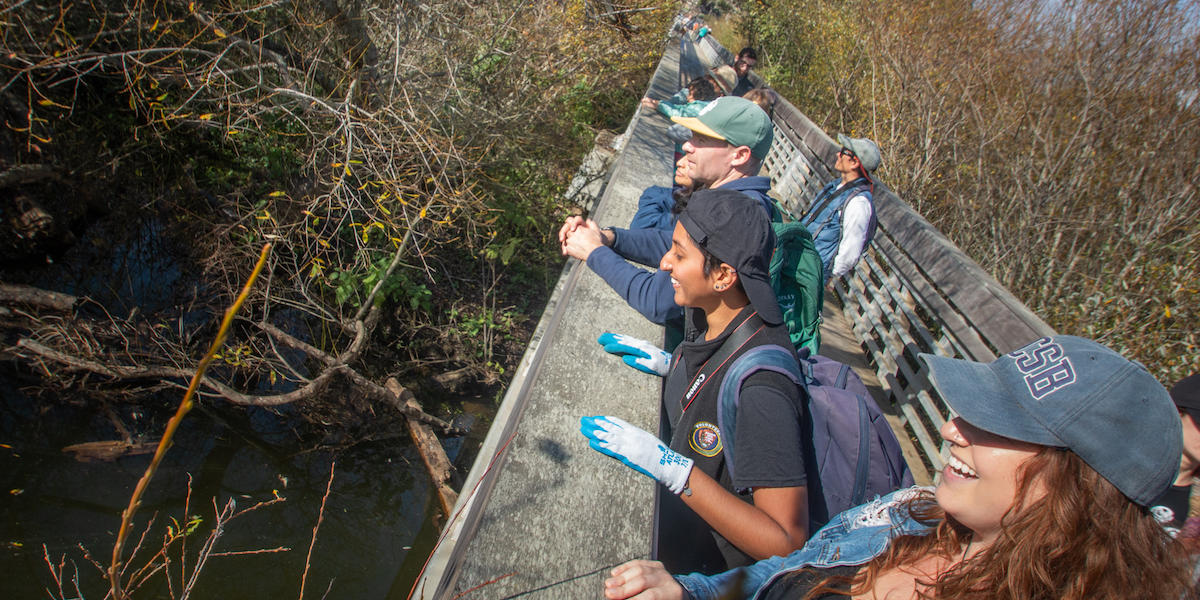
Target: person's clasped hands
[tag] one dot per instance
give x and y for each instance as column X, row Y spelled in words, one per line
column 639, row 354
column 578, row 237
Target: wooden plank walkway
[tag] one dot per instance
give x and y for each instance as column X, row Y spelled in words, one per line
column 839, row 343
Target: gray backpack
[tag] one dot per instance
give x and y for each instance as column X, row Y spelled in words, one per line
column 848, row 443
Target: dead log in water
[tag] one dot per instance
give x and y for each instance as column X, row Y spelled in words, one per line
column 429, row 447
column 110, row 450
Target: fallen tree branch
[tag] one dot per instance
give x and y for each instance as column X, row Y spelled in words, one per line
column 293, row 342
column 362, row 334
column 451, row 379
column 307, row 392
column 401, row 403
column 29, row 173
column 75, row 363
column 23, row 294
column 431, row 450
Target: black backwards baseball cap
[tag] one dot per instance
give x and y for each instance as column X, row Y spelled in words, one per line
column 734, row 228
column 1186, row 394
column 1073, row 393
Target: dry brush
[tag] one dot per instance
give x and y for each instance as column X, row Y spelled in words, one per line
column 1054, row 142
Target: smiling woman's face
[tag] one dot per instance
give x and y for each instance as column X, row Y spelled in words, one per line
column 685, row 263
column 979, row 481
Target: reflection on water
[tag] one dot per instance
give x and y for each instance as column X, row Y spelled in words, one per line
column 377, row 530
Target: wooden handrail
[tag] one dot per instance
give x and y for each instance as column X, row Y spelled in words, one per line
column 912, row 292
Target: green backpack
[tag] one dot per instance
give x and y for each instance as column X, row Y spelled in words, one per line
column 797, row 280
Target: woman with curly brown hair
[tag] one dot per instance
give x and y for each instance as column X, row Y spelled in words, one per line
column 1059, row 448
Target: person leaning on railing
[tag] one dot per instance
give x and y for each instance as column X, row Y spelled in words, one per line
column 724, row 78
column 1058, row 451
column 656, row 205
column 698, row 93
column 765, row 98
column 686, row 102
column 747, row 58
column 730, row 138
column 755, row 504
column 841, row 218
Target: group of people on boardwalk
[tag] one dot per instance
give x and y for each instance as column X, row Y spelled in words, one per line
column 1066, row 461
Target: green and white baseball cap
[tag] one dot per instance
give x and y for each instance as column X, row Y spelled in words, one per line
column 735, row 120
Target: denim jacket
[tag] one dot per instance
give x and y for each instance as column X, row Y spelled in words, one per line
column 851, row 538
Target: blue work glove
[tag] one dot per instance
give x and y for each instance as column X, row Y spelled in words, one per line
column 639, row 354
column 638, row 449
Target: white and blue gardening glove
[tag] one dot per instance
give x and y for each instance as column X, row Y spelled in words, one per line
column 639, row 354
column 638, row 449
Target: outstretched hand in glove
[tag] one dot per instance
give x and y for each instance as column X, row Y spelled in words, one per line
column 639, row 354
column 638, row 449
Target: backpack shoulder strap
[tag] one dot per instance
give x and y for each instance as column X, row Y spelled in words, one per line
column 771, row 357
column 824, row 197
column 863, row 468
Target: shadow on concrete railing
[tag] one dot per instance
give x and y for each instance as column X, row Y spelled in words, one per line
column 914, row 291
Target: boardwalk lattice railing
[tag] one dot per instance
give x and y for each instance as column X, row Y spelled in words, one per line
column 913, row 291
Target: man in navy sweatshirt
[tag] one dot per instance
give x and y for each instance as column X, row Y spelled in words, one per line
column 730, row 138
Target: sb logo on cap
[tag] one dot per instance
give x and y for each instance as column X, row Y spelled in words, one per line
column 1045, row 366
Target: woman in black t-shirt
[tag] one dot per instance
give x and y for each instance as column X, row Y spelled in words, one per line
column 718, row 260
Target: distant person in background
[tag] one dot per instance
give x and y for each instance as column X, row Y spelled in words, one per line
column 724, row 78
column 697, row 95
column 746, row 60
column 765, row 98
column 1171, row 508
column 841, row 218
column 656, row 205
column 686, row 102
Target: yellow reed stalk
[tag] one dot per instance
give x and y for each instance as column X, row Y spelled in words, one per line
column 114, row 570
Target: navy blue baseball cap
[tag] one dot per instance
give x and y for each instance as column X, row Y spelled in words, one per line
column 1073, row 393
column 735, row 229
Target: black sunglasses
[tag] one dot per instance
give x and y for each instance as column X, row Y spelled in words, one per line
column 848, row 153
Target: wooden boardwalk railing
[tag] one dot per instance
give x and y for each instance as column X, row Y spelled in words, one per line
column 543, row 516
column 914, row 291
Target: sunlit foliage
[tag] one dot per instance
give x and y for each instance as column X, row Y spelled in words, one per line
column 1055, row 142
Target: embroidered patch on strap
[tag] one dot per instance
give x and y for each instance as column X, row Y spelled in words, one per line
column 705, row 439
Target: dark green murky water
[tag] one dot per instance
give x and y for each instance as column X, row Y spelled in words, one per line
column 378, row 526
